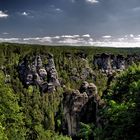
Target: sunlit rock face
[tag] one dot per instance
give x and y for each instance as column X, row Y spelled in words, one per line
column 32, row 71
column 79, row 104
column 109, row 63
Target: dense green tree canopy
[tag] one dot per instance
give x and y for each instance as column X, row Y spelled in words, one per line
column 11, row 118
column 28, row 114
column 122, row 112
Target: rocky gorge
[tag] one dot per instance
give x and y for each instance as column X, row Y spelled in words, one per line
column 59, row 89
column 79, row 105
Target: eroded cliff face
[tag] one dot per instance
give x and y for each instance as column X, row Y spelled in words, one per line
column 81, row 105
column 109, row 63
column 40, row 70
column 33, row 71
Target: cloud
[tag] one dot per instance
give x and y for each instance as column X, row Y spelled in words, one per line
column 33, row 38
column 5, row 33
column 58, row 10
column 78, row 40
column 73, row 41
column 39, row 39
column 136, row 9
column 70, row 36
column 54, row 9
column 92, row 1
column 56, row 37
column 106, row 36
column 24, row 14
column 131, row 35
column 10, row 40
column 3, row 15
column 69, row 41
column 121, row 39
column 46, row 39
column 86, row 35
column 72, row 1
column 116, row 44
column 29, row 14
column 137, row 38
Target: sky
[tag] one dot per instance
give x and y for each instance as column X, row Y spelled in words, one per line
column 72, row 22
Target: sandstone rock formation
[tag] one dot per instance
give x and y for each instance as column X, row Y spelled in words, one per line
column 109, row 63
column 32, row 71
column 79, row 104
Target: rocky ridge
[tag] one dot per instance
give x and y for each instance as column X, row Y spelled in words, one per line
column 78, row 104
column 109, row 63
column 32, row 71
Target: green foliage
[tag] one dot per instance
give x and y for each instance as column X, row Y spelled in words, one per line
column 60, row 137
column 122, row 111
column 11, row 118
column 3, row 136
column 25, row 113
column 86, row 131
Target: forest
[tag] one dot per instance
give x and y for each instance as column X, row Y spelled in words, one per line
column 69, row 92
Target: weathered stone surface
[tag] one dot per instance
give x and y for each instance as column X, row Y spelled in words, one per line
column 33, row 72
column 38, row 62
column 91, row 90
column 73, row 104
column 109, row 63
column 42, row 72
column 78, row 104
column 51, row 87
column 84, row 87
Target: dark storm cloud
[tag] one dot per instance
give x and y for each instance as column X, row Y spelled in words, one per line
column 57, row 17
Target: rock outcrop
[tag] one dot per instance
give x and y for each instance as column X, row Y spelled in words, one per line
column 32, row 71
column 83, row 72
column 76, row 106
column 109, row 63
